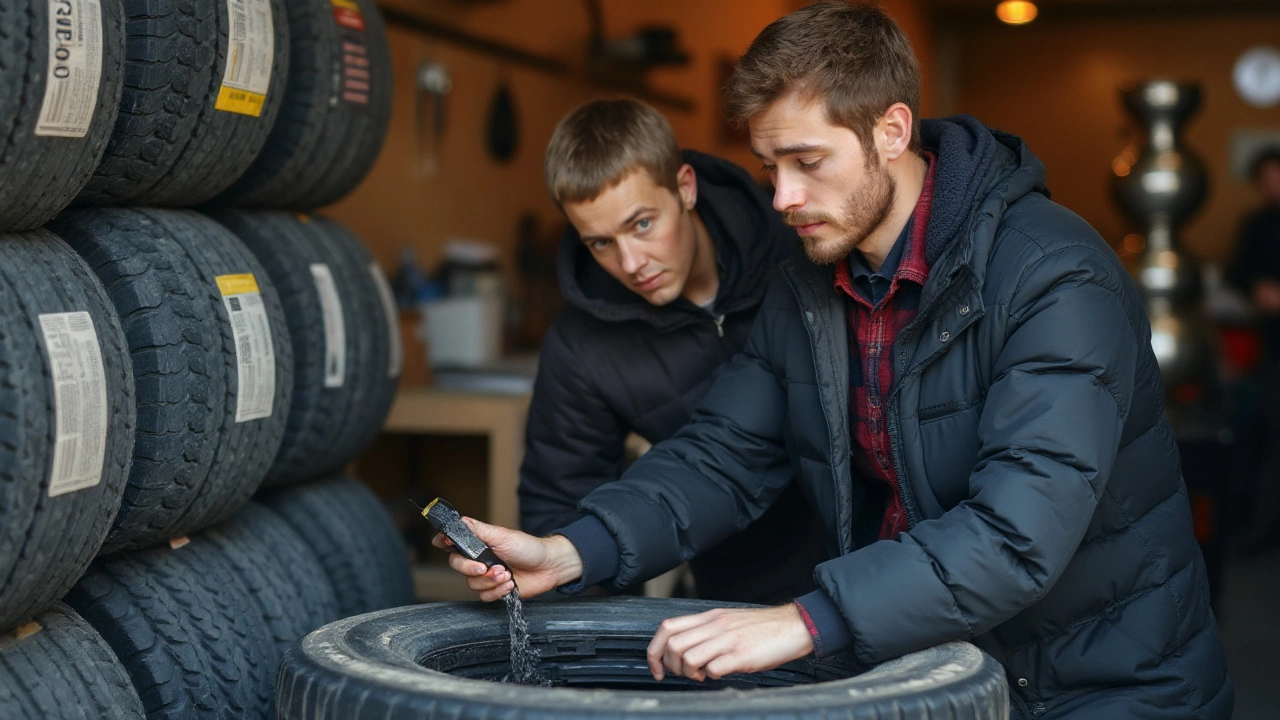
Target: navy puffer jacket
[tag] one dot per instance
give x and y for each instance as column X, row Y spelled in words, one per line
column 1049, row 520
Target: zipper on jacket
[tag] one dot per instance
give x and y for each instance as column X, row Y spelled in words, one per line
column 719, row 321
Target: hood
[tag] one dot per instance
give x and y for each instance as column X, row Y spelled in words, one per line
column 749, row 237
column 977, row 168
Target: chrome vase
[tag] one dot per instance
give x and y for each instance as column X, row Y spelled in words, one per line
column 1158, row 188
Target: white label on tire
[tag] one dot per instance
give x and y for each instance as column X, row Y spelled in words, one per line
column 79, row 401
column 255, row 355
column 395, row 365
column 251, row 44
column 335, row 331
column 75, row 68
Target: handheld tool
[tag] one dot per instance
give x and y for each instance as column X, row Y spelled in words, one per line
column 447, row 521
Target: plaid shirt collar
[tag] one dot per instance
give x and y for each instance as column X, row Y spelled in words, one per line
column 906, row 261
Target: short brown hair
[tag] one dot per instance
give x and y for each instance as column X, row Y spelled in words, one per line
column 597, row 145
column 852, row 55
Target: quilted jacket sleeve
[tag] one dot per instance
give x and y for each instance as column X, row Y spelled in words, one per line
column 574, row 442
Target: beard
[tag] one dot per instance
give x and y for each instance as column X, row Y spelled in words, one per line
column 862, row 212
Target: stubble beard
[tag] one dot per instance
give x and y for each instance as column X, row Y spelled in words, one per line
column 863, row 211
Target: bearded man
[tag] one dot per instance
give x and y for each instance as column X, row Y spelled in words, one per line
column 960, row 375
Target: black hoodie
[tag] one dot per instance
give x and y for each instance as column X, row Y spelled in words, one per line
column 612, row 364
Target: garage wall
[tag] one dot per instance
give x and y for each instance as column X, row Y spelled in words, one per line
column 1055, row 83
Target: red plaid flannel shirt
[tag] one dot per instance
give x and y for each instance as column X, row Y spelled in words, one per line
column 872, row 332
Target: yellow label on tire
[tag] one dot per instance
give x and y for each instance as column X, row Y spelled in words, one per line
column 240, row 101
column 237, row 284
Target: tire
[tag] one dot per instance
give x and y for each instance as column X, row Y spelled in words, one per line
column 46, row 541
column 283, row 576
column 185, row 628
column 41, row 174
column 340, row 397
column 171, row 145
column 354, row 537
column 194, row 464
column 64, row 671
column 432, row 661
column 322, row 144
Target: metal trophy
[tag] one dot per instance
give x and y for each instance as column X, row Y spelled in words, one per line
column 1158, row 191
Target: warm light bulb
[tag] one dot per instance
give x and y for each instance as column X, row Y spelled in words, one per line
column 1017, row 12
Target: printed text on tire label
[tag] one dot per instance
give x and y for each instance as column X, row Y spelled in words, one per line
column 250, row 48
column 255, row 355
column 75, row 68
column 335, row 332
column 79, row 401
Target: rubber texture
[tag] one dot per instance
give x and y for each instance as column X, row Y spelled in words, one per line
column 64, row 671
column 47, row 542
column 170, row 146
column 193, row 465
column 283, row 576
column 185, row 627
column 40, row 175
column 438, row 661
column 321, row 146
column 354, row 537
column 328, row 426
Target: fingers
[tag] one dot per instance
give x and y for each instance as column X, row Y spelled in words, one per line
column 676, row 637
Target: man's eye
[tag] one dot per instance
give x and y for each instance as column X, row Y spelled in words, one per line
column 810, row 165
column 768, row 168
column 599, row 243
column 644, row 224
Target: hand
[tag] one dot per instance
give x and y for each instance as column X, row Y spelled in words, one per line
column 540, row 564
column 726, row 640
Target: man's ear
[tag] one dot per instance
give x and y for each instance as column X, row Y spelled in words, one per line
column 687, row 184
column 895, row 131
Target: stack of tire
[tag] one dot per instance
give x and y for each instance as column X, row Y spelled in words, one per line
column 160, row 367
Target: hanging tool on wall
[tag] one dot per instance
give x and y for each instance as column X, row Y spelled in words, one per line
column 434, row 84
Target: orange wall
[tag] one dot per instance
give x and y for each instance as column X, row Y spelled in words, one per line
column 470, row 195
column 1056, row 85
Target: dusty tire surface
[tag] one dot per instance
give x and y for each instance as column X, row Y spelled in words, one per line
column 194, row 463
column 353, row 535
column 41, row 173
column 440, row 661
column 64, row 671
column 336, row 109
column 171, row 144
column 284, row 577
column 342, row 387
column 186, row 629
column 50, row 532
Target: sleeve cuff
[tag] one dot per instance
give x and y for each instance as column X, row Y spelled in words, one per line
column 831, row 634
column 599, row 551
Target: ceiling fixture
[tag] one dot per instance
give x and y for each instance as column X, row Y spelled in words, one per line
column 1017, row 12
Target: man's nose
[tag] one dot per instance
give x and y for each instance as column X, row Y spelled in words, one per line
column 787, row 195
column 633, row 257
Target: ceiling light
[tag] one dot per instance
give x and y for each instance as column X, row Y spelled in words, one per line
column 1017, row 12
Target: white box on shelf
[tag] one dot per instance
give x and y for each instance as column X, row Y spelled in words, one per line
column 463, row 331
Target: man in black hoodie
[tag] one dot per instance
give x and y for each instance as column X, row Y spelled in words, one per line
column 663, row 267
column 959, row 373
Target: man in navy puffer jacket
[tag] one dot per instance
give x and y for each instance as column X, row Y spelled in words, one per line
column 960, row 376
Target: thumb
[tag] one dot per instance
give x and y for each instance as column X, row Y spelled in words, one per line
column 491, row 535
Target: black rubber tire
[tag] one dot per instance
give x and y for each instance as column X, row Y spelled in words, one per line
column 186, row 629
column 284, row 577
column 354, row 537
column 64, row 671
column 328, row 426
column 194, row 465
column 321, row 146
column 433, row 661
column 47, row 542
column 41, row 174
column 170, row 146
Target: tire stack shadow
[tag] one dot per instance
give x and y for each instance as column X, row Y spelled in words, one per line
column 188, row 357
